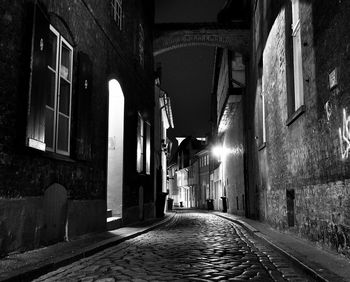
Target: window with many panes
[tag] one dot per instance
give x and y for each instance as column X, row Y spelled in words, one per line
column 59, row 95
column 117, row 12
column 50, row 92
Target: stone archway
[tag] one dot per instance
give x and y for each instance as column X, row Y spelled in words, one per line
column 170, row 36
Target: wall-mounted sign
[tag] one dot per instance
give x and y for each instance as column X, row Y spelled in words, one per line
column 333, row 78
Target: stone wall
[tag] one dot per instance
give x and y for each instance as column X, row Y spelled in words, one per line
column 303, row 172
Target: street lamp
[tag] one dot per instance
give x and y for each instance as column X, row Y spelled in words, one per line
column 217, row 151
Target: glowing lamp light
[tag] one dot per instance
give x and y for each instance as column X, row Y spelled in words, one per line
column 217, row 151
column 221, row 152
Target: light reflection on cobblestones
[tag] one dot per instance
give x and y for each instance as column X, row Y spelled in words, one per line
column 194, row 246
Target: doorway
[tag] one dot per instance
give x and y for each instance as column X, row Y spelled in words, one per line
column 115, row 149
column 290, row 207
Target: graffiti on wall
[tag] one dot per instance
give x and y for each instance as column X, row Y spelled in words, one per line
column 344, row 136
column 328, row 109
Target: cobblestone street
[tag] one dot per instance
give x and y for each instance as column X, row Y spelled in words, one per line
column 193, row 246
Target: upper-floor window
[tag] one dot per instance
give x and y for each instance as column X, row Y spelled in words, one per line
column 143, row 164
column 50, row 97
column 59, row 95
column 117, row 12
column 294, row 61
column 261, row 112
column 141, row 45
column 261, row 109
column 204, row 161
column 140, row 144
column 297, row 56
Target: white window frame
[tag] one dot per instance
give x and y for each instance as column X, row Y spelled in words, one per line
column 297, row 56
column 117, row 12
column 60, row 41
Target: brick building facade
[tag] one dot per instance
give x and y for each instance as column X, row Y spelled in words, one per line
column 297, row 139
column 61, row 62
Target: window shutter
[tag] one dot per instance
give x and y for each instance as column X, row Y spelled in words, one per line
column 39, row 81
column 83, row 133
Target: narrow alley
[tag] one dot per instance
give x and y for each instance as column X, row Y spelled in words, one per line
column 174, row 140
column 193, row 246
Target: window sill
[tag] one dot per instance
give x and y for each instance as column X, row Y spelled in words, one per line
column 295, row 115
column 51, row 155
column 262, row 146
column 58, row 157
column 142, row 173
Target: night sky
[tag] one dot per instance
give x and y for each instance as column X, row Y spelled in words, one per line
column 187, row 72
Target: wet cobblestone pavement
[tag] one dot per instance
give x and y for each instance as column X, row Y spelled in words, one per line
column 194, row 246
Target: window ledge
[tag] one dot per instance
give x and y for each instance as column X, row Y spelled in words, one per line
column 142, row 173
column 295, row 115
column 58, row 157
column 262, row 146
column 51, row 155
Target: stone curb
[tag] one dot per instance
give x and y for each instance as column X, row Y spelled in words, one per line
column 258, row 234
column 29, row 273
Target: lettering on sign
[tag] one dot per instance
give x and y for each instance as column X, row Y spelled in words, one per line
column 344, row 136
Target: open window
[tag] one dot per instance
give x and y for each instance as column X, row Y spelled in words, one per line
column 50, row 94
